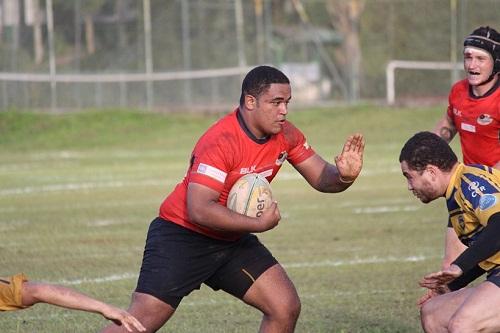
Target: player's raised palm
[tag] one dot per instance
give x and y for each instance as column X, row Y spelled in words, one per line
column 350, row 160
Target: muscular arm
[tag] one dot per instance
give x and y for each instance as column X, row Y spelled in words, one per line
column 453, row 247
column 33, row 292
column 326, row 177
column 445, row 128
column 486, row 245
column 204, row 209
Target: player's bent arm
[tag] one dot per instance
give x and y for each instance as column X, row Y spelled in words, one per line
column 486, row 245
column 453, row 247
column 445, row 128
column 322, row 175
column 36, row 292
column 204, row 209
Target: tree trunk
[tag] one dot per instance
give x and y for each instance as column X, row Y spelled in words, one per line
column 89, row 33
column 37, row 33
column 345, row 17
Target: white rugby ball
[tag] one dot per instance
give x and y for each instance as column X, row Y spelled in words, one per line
column 250, row 195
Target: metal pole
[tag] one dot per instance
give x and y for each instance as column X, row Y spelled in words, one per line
column 148, row 53
column 259, row 29
column 186, row 48
column 268, row 28
column 453, row 39
column 78, row 49
column 240, row 33
column 52, row 59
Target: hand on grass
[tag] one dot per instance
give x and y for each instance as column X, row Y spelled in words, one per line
column 122, row 317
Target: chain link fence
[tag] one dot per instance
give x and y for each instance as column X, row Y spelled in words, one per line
column 192, row 54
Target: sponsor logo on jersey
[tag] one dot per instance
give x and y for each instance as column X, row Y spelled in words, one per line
column 244, row 171
column 468, row 127
column 281, row 158
column 211, row 172
column 487, row 201
column 457, row 112
column 475, row 189
column 484, row 119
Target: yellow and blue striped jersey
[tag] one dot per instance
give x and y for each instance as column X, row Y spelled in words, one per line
column 472, row 197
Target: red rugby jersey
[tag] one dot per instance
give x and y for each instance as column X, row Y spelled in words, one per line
column 477, row 120
column 223, row 154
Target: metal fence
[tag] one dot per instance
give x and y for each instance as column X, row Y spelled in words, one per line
column 191, row 54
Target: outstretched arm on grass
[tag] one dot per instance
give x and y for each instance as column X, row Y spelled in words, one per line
column 35, row 292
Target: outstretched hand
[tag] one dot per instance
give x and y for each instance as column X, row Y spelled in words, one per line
column 350, row 160
column 437, row 281
column 121, row 317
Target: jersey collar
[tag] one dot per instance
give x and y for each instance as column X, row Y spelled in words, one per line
column 488, row 93
column 458, row 171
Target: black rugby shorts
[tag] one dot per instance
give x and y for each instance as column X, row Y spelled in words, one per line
column 177, row 261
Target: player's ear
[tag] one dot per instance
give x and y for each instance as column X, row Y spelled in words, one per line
column 250, row 102
column 432, row 170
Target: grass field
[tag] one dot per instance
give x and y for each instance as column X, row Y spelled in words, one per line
column 78, row 191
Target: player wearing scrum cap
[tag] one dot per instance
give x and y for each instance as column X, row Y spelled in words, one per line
column 474, row 103
column 474, row 112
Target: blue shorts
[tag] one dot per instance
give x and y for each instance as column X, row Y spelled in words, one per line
column 177, row 261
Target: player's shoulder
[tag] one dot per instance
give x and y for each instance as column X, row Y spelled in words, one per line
column 477, row 178
column 289, row 129
column 223, row 127
column 461, row 86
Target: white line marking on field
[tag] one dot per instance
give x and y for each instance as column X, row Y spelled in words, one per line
column 392, row 201
column 111, row 278
column 79, row 186
column 385, row 209
column 325, row 263
column 290, row 175
column 372, row 260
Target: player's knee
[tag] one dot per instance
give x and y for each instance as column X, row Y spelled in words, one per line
column 287, row 310
column 151, row 312
column 427, row 317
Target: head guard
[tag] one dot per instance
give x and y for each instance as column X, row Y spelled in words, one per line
column 487, row 39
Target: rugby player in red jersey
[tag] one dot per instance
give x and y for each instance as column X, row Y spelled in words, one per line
column 474, row 112
column 197, row 240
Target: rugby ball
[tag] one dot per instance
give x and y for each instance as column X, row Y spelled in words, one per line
column 250, row 195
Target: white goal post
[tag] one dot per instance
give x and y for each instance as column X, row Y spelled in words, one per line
column 429, row 65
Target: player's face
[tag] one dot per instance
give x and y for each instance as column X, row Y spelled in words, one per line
column 271, row 109
column 478, row 65
column 421, row 183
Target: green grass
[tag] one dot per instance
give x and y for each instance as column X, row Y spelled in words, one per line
column 78, row 192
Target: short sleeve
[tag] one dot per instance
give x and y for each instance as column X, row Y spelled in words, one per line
column 487, row 205
column 210, row 164
column 298, row 148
